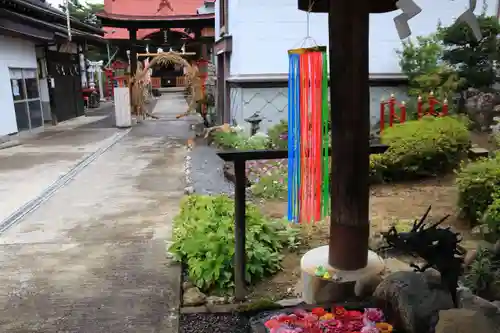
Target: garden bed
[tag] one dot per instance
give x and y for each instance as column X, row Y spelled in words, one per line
column 398, row 204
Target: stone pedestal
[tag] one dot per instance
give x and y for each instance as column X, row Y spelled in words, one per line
column 317, row 290
column 123, row 116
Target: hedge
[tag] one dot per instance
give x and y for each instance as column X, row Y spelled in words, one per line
column 420, row 148
column 477, row 183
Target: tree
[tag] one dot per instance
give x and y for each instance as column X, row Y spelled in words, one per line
column 421, row 61
column 475, row 61
column 85, row 12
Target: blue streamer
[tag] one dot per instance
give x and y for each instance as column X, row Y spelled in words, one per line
column 293, row 137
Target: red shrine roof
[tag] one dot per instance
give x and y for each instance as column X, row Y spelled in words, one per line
column 148, row 10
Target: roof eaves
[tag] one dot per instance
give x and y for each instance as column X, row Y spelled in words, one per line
column 58, row 14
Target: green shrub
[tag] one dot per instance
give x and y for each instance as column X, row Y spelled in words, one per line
column 477, row 182
column 204, row 240
column 377, row 168
column 491, row 219
column 483, row 273
column 426, row 147
column 229, row 140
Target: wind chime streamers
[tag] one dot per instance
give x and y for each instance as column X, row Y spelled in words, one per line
column 307, row 135
column 293, row 138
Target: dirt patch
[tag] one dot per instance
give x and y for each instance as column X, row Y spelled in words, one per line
column 389, row 204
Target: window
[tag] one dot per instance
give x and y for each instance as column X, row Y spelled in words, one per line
column 223, row 16
column 26, row 95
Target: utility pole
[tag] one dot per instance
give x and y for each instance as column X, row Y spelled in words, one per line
column 68, row 20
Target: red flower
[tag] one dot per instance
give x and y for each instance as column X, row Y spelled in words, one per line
column 339, row 311
column 354, row 315
column 273, row 323
column 318, row 311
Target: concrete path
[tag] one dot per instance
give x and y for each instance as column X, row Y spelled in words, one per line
column 92, row 258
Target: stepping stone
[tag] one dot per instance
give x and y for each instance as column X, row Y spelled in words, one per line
column 478, row 152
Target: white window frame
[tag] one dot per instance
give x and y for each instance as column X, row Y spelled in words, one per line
column 27, row 100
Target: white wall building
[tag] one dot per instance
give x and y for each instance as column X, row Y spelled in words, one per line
column 34, row 50
column 17, row 72
column 253, row 36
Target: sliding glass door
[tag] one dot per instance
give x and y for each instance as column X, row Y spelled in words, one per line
column 26, row 95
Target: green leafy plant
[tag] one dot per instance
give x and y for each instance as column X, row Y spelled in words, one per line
column 238, row 140
column 477, row 182
column 204, row 240
column 377, row 168
column 482, row 273
column 425, row 147
column 229, row 140
column 491, row 219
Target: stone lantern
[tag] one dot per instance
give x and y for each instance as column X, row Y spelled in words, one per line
column 254, row 121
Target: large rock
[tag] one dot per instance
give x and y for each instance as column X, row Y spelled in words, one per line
column 410, row 302
column 193, row 297
column 463, row 321
column 482, row 107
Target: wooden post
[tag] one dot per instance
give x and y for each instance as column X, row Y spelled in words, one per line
column 239, row 230
column 349, row 89
column 133, row 51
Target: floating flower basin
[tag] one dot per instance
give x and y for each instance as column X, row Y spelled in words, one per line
column 336, row 319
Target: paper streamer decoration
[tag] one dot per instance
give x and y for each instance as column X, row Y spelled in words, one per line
column 308, row 157
column 410, row 9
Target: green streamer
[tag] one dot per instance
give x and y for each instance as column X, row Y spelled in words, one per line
column 325, row 190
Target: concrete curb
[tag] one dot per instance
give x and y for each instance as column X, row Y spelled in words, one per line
column 10, row 144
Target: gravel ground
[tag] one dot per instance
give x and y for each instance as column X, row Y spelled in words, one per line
column 206, row 171
column 213, row 323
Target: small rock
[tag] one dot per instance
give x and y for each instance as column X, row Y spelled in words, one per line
column 290, row 302
column 193, row 297
column 469, row 258
column 411, row 300
column 189, row 190
column 462, row 321
column 365, row 286
column 187, row 285
column 230, row 299
column 432, row 276
column 215, row 300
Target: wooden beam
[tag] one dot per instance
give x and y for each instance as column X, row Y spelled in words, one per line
column 155, row 54
column 350, row 118
column 133, row 51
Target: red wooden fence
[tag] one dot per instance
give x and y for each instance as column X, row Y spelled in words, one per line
column 397, row 110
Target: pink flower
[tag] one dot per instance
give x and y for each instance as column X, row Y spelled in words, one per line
column 374, row 315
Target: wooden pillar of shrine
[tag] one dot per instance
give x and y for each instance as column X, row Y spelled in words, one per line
column 348, row 23
column 133, row 51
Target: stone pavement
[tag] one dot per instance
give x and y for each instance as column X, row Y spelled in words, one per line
column 92, row 258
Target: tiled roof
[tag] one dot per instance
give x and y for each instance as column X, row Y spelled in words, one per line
column 147, row 8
